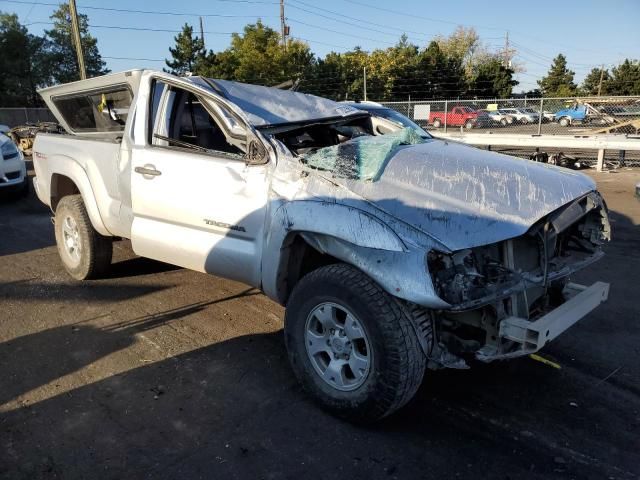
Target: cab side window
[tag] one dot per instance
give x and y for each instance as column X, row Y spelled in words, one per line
column 185, row 123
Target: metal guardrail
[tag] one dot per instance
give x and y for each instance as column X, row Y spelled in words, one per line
column 13, row 117
column 598, row 143
column 560, row 116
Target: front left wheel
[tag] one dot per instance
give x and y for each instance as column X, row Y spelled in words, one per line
column 351, row 344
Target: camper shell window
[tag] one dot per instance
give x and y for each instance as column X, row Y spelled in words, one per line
column 96, row 111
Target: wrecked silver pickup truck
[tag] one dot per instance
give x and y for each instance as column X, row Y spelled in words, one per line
column 392, row 253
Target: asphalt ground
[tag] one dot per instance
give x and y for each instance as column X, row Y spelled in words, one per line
column 159, row 372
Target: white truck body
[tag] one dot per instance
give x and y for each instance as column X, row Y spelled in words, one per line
column 262, row 186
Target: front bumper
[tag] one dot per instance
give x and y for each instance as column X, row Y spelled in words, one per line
column 13, row 173
column 529, row 337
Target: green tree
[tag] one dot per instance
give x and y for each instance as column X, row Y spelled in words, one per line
column 257, row 56
column 188, row 55
column 625, row 78
column 441, row 76
column 20, row 63
column 62, row 62
column 492, row 79
column 591, row 83
column 559, row 80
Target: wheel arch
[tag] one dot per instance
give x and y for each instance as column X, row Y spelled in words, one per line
column 68, row 178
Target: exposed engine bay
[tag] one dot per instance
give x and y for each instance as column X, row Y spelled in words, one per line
column 311, row 137
column 523, row 277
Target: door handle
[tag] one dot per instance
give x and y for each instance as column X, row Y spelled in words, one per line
column 148, row 171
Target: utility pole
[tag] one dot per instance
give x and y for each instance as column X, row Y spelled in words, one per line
column 283, row 26
column 365, row 84
column 601, row 78
column 75, row 31
column 507, row 52
column 202, row 35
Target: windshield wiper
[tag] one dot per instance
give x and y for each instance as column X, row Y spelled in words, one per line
column 180, row 143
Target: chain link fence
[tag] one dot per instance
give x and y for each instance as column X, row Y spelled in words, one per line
column 12, row 117
column 537, row 116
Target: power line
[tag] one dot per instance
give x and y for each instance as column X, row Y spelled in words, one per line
column 413, row 15
column 149, row 12
column 137, row 29
column 357, row 25
column 339, row 32
column 133, row 58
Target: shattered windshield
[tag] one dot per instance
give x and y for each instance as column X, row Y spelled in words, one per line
column 396, row 117
column 363, row 157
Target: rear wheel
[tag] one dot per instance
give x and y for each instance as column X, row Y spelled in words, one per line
column 351, row 344
column 437, row 123
column 84, row 252
column 503, row 122
column 468, row 124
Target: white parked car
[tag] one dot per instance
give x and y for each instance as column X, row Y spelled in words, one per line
column 520, row 115
column 392, row 253
column 13, row 171
column 502, row 118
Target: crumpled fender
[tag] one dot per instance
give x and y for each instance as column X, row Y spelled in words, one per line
column 353, row 236
column 335, row 220
column 68, row 167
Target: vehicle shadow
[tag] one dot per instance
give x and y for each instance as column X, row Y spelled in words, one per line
column 25, row 224
column 136, row 266
column 34, row 290
column 233, row 410
column 27, row 361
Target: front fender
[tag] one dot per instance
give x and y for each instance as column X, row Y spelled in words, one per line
column 68, row 167
column 353, row 236
column 335, row 220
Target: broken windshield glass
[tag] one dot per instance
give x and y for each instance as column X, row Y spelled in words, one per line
column 362, row 157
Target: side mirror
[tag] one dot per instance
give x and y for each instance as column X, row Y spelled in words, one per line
column 256, row 153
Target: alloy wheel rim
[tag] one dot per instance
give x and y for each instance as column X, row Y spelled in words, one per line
column 71, row 239
column 337, row 346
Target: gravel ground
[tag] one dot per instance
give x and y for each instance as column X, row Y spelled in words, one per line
column 159, row 372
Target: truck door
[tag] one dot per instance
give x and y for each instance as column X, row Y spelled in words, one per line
column 196, row 202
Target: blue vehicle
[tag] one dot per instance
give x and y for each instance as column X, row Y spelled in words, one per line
column 571, row 115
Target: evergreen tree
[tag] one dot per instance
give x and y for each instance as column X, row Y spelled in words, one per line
column 591, row 83
column 187, row 56
column 441, row 76
column 559, row 80
column 492, row 79
column 61, row 55
column 20, row 63
column 625, row 78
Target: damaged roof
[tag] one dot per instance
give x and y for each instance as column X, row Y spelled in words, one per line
column 269, row 106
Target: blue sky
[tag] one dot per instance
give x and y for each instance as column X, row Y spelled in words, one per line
column 589, row 33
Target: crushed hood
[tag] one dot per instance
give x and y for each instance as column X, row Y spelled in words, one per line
column 466, row 197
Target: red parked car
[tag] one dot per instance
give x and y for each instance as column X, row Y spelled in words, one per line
column 456, row 117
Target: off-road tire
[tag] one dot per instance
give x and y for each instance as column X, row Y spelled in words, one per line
column 398, row 363
column 96, row 250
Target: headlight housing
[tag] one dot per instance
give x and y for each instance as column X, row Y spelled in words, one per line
column 9, row 150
